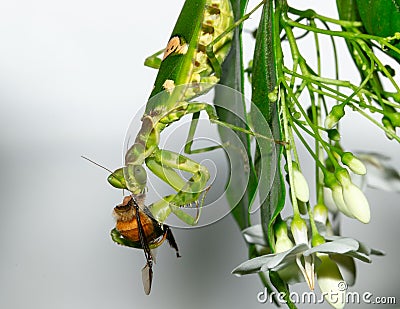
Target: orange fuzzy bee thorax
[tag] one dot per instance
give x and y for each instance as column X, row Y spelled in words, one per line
column 127, row 223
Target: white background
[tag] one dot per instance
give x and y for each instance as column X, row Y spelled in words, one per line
column 71, row 80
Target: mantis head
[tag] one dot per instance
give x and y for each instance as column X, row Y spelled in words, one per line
column 131, row 177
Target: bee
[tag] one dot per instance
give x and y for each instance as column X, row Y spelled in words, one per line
column 136, row 228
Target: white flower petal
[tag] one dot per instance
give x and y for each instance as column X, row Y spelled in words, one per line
column 331, row 282
column 269, row 262
column 254, row 235
column 252, row 266
column 359, row 180
column 360, row 256
column 354, row 163
column 340, row 246
column 330, row 121
column 346, row 266
column 291, row 274
column 362, row 247
column 320, row 213
column 281, row 260
column 354, row 198
column 283, row 244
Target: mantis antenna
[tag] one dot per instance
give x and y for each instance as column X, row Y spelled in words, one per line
column 95, row 163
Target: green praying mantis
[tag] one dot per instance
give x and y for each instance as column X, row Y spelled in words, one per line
column 190, row 66
column 198, row 45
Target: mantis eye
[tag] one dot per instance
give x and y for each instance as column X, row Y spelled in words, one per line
column 140, row 174
column 135, row 178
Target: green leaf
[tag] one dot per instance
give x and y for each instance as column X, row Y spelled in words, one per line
column 381, row 18
column 263, row 83
column 233, row 76
column 349, row 10
column 282, row 287
column 355, row 10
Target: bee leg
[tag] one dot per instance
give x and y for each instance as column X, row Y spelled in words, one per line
column 171, row 240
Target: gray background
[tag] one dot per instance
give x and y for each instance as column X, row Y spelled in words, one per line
column 71, row 79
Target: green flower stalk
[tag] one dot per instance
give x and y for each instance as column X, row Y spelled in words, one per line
column 390, row 129
column 394, row 118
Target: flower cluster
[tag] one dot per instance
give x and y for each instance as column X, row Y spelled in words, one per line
column 306, row 249
column 306, row 245
column 330, row 258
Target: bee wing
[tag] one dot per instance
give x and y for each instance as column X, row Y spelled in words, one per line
column 147, row 278
column 154, row 254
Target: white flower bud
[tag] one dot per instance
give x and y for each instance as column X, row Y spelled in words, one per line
column 337, row 194
column 283, row 243
column 299, row 231
column 354, row 198
column 353, row 163
column 357, row 203
column 334, row 116
column 320, row 213
column 330, row 121
column 328, row 200
column 300, row 185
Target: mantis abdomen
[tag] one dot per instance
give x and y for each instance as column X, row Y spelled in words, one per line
column 185, row 59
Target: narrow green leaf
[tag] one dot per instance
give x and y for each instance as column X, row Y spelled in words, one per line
column 263, row 83
column 233, row 77
column 282, row 287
